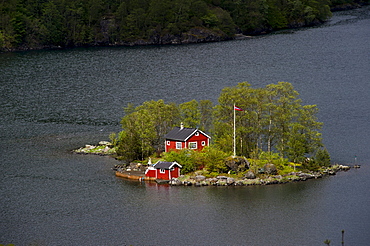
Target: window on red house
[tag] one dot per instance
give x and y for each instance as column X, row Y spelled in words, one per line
column 178, row 145
column 193, row 145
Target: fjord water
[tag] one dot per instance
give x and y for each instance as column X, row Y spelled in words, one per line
column 54, row 101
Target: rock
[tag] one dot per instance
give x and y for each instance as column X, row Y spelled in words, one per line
column 175, row 182
column 199, row 178
column 105, row 143
column 212, row 180
column 305, row 175
column 344, row 168
column 250, row 175
column 270, row 169
column 331, row 172
column 278, row 177
column 230, row 181
column 89, row 147
column 237, row 164
column 221, row 182
column 221, row 177
column 261, row 170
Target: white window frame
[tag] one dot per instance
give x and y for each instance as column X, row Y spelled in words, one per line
column 162, row 170
column 197, row 134
column 168, row 143
column 177, row 145
column 203, row 143
column 190, row 144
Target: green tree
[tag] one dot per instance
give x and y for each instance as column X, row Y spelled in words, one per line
column 52, row 24
column 185, row 157
column 190, row 114
column 241, row 95
column 128, row 146
column 144, row 128
column 273, row 120
column 213, row 159
column 164, row 117
column 284, row 111
column 276, row 18
column 206, row 115
column 322, row 157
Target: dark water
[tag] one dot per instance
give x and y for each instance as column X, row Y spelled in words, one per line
column 54, row 101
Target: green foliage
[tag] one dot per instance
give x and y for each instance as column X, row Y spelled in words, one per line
column 210, row 159
column 186, row 158
column 144, row 128
column 273, row 120
column 190, row 114
column 322, row 157
column 273, row 158
column 113, row 139
column 213, row 160
column 2, row 40
column 91, row 22
column 206, row 115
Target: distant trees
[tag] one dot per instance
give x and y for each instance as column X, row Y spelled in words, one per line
column 36, row 23
column 273, row 120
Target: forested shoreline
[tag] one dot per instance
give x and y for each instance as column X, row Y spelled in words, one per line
column 38, row 24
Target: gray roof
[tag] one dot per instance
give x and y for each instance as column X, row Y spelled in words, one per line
column 182, row 134
column 166, row 165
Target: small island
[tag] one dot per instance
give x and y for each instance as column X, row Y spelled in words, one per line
column 253, row 136
column 267, row 175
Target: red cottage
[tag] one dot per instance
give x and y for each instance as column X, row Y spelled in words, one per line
column 164, row 170
column 182, row 138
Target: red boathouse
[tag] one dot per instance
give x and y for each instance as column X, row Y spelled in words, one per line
column 186, row 138
column 164, row 170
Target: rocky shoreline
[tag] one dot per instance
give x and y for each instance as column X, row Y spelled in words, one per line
column 105, row 148
column 249, row 179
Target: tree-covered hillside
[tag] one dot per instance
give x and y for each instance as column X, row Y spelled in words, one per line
column 67, row 23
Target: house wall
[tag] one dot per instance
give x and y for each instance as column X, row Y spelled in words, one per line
column 175, row 173
column 164, row 175
column 150, row 173
column 168, row 174
column 172, row 145
column 198, row 139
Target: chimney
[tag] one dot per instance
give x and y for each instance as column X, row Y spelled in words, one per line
column 182, row 126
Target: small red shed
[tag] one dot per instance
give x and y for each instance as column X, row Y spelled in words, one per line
column 186, row 138
column 164, row 170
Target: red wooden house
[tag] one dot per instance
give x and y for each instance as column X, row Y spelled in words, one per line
column 182, row 138
column 164, row 170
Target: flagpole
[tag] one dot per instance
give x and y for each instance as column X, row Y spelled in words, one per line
column 234, row 133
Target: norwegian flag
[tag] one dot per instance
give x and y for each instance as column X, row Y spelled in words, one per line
column 237, row 108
